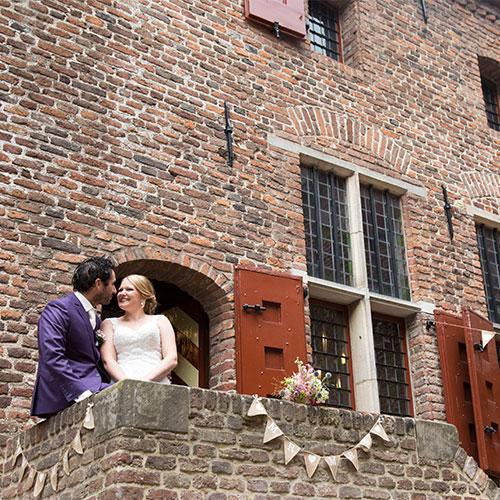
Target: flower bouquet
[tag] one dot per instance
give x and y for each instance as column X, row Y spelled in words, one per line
column 304, row 386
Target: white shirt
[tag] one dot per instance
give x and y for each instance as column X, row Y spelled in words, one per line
column 90, row 310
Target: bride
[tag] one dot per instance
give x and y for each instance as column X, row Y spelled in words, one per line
column 138, row 345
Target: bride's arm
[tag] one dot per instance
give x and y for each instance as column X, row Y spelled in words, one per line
column 108, row 353
column 168, row 352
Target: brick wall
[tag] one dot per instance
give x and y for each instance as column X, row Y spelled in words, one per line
column 112, row 141
column 202, row 445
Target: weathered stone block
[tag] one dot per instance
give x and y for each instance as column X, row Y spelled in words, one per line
column 436, row 440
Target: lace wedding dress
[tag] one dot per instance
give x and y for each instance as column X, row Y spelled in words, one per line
column 137, row 351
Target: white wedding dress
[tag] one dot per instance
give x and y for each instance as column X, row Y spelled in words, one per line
column 137, row 351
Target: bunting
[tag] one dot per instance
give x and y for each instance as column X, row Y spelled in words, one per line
column 312, row 460
column 39, row 478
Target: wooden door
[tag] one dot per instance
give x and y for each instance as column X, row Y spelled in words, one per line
column 270, row 328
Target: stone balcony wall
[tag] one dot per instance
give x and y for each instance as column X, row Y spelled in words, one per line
column 152, row 442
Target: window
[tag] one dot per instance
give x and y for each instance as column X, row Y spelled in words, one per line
column 331, row 350
column 490, row 96
column 392, row 366
column 489, row 253
column 328, row 247
column 384, row 243
column 324, row 30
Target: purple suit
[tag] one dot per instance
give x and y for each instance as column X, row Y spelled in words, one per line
column 69, row 361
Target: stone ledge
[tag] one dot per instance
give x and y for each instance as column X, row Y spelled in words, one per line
column 436, row 440
column 142, row 405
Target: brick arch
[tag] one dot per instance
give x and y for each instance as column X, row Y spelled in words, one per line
column 481, row 185
column 212, row 289
column 313, row 121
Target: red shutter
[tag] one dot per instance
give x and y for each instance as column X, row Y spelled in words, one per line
column 289, row 14
column 471, row 384
column 485, row 382
column 268, row 341
column 456, row 381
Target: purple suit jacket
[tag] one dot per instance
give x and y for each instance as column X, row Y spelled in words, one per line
column 69, row 362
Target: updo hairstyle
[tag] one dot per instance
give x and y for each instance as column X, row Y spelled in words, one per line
column 146, row 291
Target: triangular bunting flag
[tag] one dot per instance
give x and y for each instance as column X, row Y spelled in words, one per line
column 76, row 444
column 352, row 456
column 486, row 336
column 24, row 464
column 39, row 483
column 366, row 443
column 333, row 462
column 312, row 461
column 257, row 408
column 272, row 430
column 290, row 449
column 88, row 423
column 66, row 462
column 53, row 478
column 379, row 431
column 30, row 479
column 18, row 452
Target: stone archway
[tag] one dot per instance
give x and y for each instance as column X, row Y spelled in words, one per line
column 214, row 293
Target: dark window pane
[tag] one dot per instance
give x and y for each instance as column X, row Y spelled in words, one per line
column 392, row 372
column 331, row 352
column 324, row 29
column 384, row 243
column 490, row 96
column 326, row 225
column 489, row 253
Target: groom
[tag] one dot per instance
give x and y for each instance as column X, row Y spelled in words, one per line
column 69, row 365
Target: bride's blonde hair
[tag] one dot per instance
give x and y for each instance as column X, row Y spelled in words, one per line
column 146, row 291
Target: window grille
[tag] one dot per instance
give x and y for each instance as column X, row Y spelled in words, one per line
column 489, row 253
column 392, row 371
column 490, row 96
column 384, row 243
column 328, row 241
column 331, row 352
column 324, row 32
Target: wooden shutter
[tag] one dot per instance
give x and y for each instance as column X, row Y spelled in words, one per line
column 456, row 380
column 485, row 383
column 471, row 384
column 289, row 14
column 268, row 341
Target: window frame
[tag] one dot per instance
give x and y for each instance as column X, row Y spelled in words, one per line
column 325, row 49
column 491, row 102
column 347, row 354
column 404, row 343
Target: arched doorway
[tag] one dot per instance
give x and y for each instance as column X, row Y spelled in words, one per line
column 190, row 324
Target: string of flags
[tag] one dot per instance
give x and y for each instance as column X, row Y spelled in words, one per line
column 38, row 478
column 312, row 460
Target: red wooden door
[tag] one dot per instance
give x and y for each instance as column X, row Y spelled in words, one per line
column 485, row 383
column 270, row 328
column 456, row 380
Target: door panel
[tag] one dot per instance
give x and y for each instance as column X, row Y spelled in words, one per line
column 270, row 328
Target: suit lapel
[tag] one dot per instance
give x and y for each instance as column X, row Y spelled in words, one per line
column 86, row 321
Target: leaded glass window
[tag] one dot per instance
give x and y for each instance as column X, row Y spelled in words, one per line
column 328, row 241
column 324, row 30
column 490, row 96
column 384, row 243
column 331, row 352
column 489, row 253
column 392, row 369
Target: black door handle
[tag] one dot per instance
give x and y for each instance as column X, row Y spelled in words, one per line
column 256, row 307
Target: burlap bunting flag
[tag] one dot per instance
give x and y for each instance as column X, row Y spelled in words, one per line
column 333, row 463
column 290, row 448
column 312, row 461
column 366, row 443
column 256, row 408
column 53, row 478
column 272, row 430
column 88, row 422
column 379, row 431
column 39, row 483
column 352, row 456
column 76, row 444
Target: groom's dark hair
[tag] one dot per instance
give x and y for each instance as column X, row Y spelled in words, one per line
column 88, row 271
